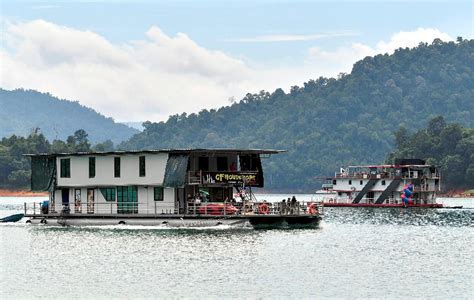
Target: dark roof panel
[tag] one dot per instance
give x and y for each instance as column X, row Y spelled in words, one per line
column 177, row 151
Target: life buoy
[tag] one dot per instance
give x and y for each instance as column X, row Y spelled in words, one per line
column 263, row 209
column 313, row 209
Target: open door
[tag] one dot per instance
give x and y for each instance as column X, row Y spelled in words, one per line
column 90, row 201
column 65, row 199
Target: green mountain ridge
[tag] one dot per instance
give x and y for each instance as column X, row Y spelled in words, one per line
column 328, row 123
column 24, row 110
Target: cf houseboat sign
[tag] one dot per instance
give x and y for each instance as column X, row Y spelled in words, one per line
column 249, row 178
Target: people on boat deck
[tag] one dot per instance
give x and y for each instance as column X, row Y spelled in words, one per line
column 293, row 204
column 197, row 200
column 283, row 206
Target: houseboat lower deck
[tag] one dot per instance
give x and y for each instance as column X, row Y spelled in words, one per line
column 256, row 214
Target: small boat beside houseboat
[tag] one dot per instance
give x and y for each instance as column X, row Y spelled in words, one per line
column 406, row 183
column 182, row 187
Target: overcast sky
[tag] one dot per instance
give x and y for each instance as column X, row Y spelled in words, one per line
column 137, row 61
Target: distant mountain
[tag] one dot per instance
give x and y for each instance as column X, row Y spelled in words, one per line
column 328, row 123
column 23, row 110
column 136, row 125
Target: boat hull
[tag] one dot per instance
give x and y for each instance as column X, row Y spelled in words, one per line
column 176, row 221
column 430, row 205
column 12, row 218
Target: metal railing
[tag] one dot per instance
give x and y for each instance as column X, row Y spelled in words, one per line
column 254, row 208
column 385, row 176
column 195, row 209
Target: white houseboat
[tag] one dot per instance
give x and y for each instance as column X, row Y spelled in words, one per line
column 408, row 182
column 187, row 187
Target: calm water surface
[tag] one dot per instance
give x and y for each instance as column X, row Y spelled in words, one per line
column 356, row 253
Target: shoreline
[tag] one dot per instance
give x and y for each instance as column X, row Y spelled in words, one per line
column 21, row 193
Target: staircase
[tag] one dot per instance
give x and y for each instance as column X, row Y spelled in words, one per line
column 364, row 191
column 246, row 193
column 390, row 188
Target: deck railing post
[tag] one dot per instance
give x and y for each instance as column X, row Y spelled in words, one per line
column 34, row 208
column 25, row 207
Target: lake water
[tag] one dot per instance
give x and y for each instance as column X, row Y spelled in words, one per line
column 355, row 253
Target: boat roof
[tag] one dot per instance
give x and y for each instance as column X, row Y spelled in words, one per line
column 389, row 166
column 211, row 151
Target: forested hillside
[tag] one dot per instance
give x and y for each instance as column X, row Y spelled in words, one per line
column 328, row 123
column 15, row 167
column 21, row 111
column 449, row 146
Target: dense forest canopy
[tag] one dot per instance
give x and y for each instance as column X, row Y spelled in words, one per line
column 325, row 124
column 21, row 111
column 449, row 146
column 15, row 168
column 328, row 123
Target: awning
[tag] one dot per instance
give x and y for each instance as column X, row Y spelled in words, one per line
column 43, row 171
column 175, row 173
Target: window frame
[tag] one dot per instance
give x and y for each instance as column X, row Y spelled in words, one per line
column 142, row 166
column 92, row 164
column 161, row 193
column 117, row 166
column 222, row 163
column 110, row 194
column 65, row 167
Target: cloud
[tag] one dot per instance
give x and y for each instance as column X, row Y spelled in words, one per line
column 291, row 37
column 342, row 59
column 160, row 75
column 146, row 79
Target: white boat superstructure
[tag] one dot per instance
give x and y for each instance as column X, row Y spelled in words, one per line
column 385, row 185
column 195, row 186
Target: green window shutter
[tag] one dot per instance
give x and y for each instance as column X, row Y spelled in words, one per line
column 158, row 193
column 117, row 166
column 142, row 166
column 91, row 167
column 108, row 193
column 65, row 168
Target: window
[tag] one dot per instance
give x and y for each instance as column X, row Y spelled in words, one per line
column 350, row 182
column 127, row 200
column 91, row 167
column 66, row 168
column 203, row 163
column 108, row 193
column 245, row 163
column 334, row 181
column 158, row 193
column 383, row 182
column 361, row 182
column 117, row 166
column 222, row 163
column 142, row 166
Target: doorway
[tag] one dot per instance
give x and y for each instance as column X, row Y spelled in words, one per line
column 90, row 201
column 180, row 200
column 370, row 197
column 65, row 199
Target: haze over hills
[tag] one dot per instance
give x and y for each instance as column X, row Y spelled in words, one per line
column 328, row 123
column 23, row 110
